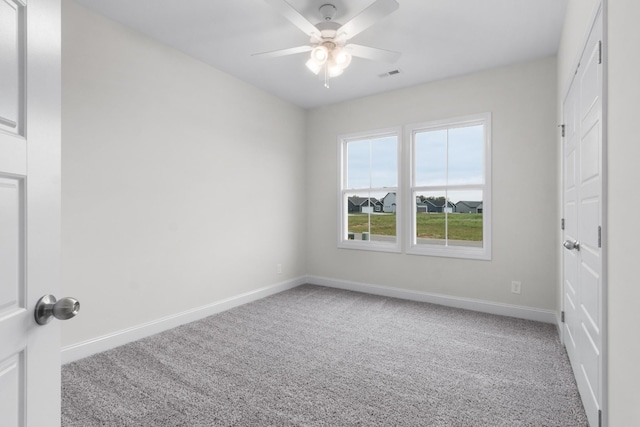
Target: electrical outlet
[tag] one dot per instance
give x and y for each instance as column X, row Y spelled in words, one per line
column 279, row 268
column 516, row 287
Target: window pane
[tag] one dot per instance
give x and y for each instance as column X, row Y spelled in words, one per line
column 465, row 225
column 372, row 163
column 384, row 162
column 431, row 211
column 366, row 218
column 431, row 158
column 358, row 162
column 466, row 155
column 451, row 218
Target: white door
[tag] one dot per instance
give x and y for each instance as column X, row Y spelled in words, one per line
column 582, row 205
column 29, row 210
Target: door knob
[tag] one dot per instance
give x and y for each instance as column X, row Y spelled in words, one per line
column 571, row 244
column 63, row 309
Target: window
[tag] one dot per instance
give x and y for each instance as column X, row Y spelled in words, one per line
column 450, row 188
column 445, row 189
column 369, row 190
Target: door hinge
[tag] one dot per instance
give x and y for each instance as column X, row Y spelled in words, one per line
column 599, row 51
column 562, row 128
column 562, row 224
column 599, row 236
column 562, row 317
column 599, row 417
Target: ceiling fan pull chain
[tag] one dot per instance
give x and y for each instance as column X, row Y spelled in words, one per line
column 326, row 84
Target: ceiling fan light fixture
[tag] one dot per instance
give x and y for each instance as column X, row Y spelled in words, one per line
column 320, row 54
column 342, row 58
column 333, row 69
column 314, row 66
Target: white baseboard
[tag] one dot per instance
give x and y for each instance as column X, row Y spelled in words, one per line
column 115, row 339
column 540, row 315
column 106, row 342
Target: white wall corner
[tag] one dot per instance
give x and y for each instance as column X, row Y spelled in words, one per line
column 521, row 312
column 87, row 348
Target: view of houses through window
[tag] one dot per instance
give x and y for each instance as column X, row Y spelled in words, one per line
column 448, row 183
column 376, row 216
column 368, row 219
column 370, row 175
column 447, row 193
column 442, row 220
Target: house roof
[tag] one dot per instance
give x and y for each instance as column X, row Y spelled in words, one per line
column 438, row 203
column 470, row 204
column 359, row 201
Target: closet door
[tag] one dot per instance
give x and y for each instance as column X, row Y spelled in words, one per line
column 583, row 298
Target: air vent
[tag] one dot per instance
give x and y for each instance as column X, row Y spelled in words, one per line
column 390, row 73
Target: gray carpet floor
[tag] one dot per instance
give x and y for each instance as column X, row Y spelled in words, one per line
column 315, row 356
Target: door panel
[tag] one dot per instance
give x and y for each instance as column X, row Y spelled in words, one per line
column 570, row 207
column 12, row 66
column 590, row 300
column 589, row 376
column 582, row 205
column 29, row 210
column 11, row 246
column 589, row 155
column 13, row 160
column 11, row 394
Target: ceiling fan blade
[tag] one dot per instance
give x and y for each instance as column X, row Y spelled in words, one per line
column 283, row 52
column 372, row 53
column 295, row 17
column 368, row 17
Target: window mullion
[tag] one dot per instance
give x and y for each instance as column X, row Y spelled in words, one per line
column 370, row 185
column 446, row 194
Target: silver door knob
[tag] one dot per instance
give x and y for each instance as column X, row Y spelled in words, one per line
column 63, row 309
column 571, row 244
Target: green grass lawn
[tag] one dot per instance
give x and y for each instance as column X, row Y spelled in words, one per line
column 465, row 226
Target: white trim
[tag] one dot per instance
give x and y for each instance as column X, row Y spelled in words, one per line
column 603, row 7
column 343, row 191
column 106, row 342
column 521, row 312
column 412, row 247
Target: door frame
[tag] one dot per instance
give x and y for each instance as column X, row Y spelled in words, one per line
column 601, row 7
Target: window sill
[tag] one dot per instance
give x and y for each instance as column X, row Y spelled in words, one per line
column 451, row 252
column 370, row 246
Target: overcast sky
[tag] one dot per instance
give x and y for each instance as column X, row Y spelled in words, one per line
column 373, row 163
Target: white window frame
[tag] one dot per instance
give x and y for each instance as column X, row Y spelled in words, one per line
column 413, row 247
column 344, row 192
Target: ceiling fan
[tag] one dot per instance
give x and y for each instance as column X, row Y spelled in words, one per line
column 328, row 39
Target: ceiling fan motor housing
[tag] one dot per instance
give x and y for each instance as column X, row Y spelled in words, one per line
column 328, row 30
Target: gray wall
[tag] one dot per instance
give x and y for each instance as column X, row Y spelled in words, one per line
column 624, row 205
column 162, row 158
column 522, row 99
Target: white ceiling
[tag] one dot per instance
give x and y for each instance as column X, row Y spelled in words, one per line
column 437, row 38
